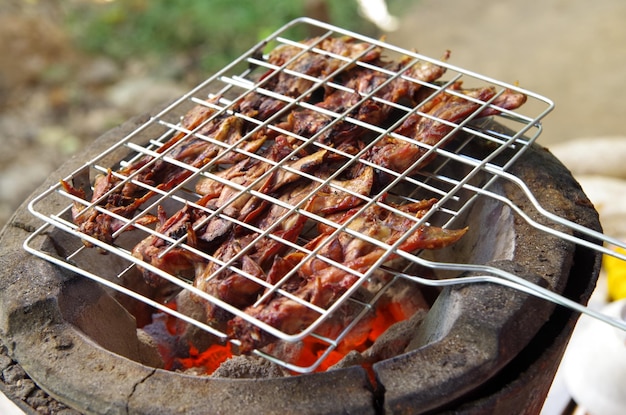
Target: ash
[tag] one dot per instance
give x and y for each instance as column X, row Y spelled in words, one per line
column 248, row 367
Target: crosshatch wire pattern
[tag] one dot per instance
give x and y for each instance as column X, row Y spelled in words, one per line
column 256, row 155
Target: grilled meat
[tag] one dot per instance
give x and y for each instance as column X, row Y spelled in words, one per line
column 321, row 283
column 299, row 67
column 408, row 148
column 203, row 223
column 212, row 143
column 283, row 227
column 365, row 96
column 319, row 156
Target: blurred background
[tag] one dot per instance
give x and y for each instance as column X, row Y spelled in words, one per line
column 70, row 70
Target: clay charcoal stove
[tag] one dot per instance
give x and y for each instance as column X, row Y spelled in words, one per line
column 365, row 227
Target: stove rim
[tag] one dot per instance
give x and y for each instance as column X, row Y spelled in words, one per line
column 54, row 328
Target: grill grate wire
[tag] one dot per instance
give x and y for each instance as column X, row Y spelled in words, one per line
column 252, row 73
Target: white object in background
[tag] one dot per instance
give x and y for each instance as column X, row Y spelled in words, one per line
column 7, row 407
column 608, row 195
column 594, row 366
column 377, row 12
column 593, row 156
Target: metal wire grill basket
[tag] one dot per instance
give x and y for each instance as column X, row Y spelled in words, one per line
column 455, row 176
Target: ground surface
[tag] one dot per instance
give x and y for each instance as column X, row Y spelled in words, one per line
column 568, row 50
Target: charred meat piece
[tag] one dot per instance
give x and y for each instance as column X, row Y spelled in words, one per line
column 297, row 61
column 202, row 225
column 284, row 226
column 364, row 97
column 316, row 64
column 243, row 259
column 420, row 132
column 321, row 283
column 239, row 203
column 212, row 143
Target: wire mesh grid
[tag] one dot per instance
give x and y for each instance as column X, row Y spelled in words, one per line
column 290, row 189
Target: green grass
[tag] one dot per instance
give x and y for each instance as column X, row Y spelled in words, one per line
column 210, row 32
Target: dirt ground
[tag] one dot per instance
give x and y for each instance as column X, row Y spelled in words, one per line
column 571, row 51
